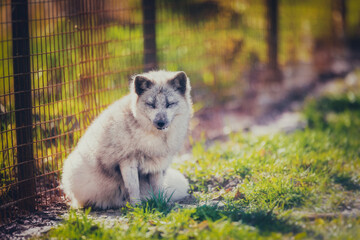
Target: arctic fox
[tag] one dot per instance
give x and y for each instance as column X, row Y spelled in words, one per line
column 125, row 153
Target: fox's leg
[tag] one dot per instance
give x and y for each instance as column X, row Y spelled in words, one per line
column 156, row 181
column 129, row 173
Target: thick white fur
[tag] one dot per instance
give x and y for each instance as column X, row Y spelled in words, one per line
column 123, row 139
column 175, row 184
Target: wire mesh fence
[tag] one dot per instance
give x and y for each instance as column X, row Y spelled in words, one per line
column 57, row 75
column 62, row 62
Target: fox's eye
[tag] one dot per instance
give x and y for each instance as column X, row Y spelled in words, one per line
column 152, row 105
column 168, row 105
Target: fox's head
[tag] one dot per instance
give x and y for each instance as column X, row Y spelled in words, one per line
column 159, row 97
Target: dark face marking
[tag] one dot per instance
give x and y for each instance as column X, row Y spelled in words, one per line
column 170, row 104
column 179, row 83
column 142, row 84
column 151, row 104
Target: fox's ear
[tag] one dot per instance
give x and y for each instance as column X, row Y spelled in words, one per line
column 179, row 82
column 142, row 84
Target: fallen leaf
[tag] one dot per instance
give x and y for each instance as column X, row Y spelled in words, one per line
column 239, row 195
column 203, row 225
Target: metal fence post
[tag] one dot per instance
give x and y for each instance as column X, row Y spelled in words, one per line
column 149, row 24
column 272, row 39
column 23, row 105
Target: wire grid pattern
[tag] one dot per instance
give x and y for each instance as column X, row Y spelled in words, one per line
column 83, row 52
column 79, row 63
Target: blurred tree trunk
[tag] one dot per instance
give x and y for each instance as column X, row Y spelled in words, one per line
column 272, row 7
column 339, row 19
column 149, row 34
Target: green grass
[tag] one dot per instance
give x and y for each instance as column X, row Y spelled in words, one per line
column 281, row 186
column 160, row 202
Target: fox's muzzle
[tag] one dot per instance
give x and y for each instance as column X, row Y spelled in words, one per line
column 161, row 122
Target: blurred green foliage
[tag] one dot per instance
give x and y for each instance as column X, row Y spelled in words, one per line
column 341, row 112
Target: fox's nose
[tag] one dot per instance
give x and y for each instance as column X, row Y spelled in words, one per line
column 160, row 121
column 160, row 124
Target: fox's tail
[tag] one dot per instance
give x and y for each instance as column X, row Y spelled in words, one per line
column 176, row 184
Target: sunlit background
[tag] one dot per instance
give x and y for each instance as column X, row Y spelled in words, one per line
column 78, row 57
